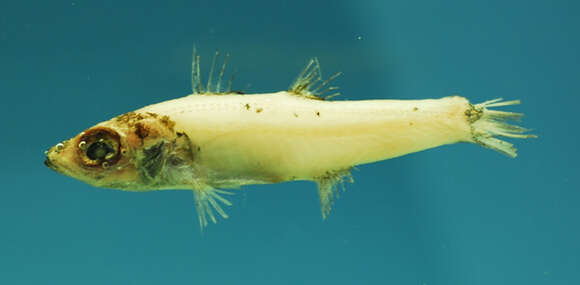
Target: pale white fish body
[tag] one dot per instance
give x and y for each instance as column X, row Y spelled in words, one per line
column 215, row 139
column 281, row 136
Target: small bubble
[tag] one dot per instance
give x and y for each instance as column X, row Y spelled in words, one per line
column 109, row 155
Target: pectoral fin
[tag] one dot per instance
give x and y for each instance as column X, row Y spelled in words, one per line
column 207, row 200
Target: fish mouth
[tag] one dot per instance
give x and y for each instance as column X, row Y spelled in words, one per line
column 50, row 164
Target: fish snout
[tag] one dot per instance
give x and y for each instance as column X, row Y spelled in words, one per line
column 50, row 153
column 49, row 163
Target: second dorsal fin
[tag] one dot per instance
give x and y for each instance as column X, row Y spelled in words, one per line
column 309, row 83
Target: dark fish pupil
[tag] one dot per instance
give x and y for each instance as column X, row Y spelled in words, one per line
column 98, row 150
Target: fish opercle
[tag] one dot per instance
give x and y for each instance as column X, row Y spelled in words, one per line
column 212, row 140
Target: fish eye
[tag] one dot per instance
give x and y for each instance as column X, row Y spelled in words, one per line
column 99, row 150
column 99, row 147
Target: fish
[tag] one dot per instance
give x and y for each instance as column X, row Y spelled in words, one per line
column 217, row 139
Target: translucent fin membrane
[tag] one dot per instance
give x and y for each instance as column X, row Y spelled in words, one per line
column 328, row 188
column 310, row 84
column 197, row 85
column 207, row 201
column 487, row 124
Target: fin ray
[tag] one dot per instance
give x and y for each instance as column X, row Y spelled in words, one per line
column 206, row 202
column 209, row 88
column 222, row 71
column 211, row 70
column 309, row 82
column 486, row 124
column 328, row 188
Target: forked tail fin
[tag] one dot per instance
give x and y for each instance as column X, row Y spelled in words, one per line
column 486, row 124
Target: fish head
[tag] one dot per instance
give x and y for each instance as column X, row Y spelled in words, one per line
column 127, row 152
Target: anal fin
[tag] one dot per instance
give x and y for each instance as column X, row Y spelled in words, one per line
column 328, row 188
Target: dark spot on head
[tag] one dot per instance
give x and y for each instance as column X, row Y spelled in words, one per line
column 411, row 123
column 179, row 134
column 295, row 115
column 198, row 148
column 125, row 118
column 141, row 130
column 415, row 108
column 131, row 118
column 259, row 110
column 247, row 106
column 317, row 113
column 167, row 122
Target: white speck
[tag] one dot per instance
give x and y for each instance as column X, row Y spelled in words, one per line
column 359, row 37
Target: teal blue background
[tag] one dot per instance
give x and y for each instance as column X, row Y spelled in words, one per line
column 457, row 214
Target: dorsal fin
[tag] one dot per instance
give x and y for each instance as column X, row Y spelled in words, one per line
column 309, row 82
column 197, row 84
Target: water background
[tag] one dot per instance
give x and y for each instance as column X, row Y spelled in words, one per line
column 456, row 214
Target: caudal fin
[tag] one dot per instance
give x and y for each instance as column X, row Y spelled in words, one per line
column 487, row 124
